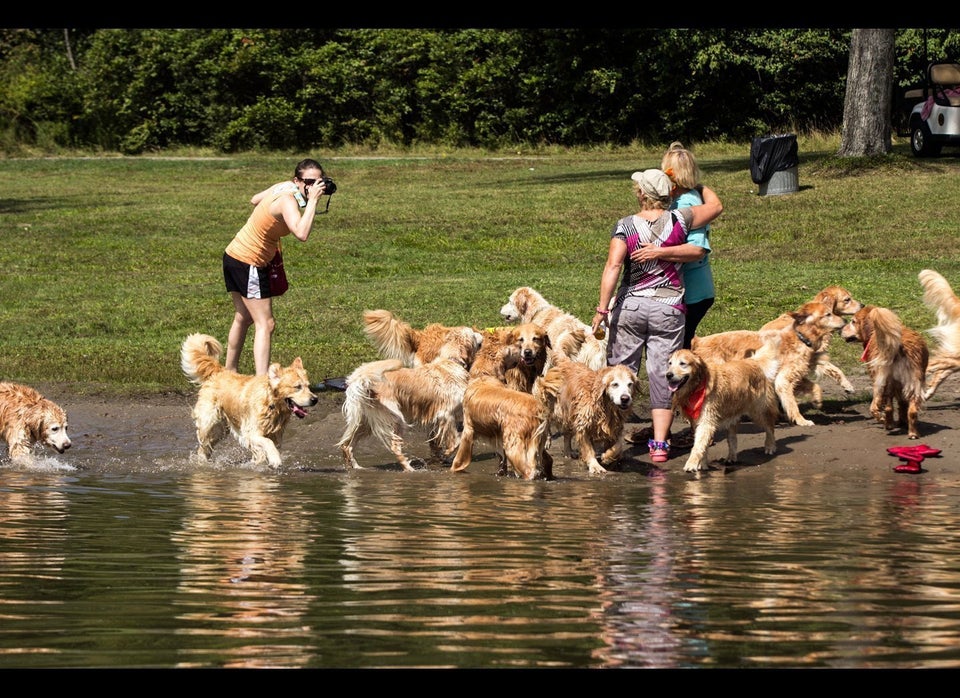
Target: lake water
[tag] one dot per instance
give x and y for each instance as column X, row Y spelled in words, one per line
column 123, row 553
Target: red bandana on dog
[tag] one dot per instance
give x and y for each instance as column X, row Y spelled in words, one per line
column 865, row 356
column 694, row 403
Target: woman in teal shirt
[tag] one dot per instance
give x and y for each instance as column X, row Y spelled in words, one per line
column 699, row 292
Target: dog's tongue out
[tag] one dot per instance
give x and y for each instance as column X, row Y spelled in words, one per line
column 296, row 409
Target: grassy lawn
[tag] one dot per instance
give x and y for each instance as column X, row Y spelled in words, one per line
column 109, row 262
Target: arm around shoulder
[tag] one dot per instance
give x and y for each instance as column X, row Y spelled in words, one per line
column 708, row 210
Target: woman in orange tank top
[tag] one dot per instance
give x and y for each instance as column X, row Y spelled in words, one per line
column 247, row 258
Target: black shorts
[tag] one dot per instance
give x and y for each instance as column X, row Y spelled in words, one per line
column 247, row 280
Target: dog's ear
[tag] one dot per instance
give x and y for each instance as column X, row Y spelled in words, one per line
column 273, row 374
column 297, row 363
column 830, row 296
column 518, row 300
column 866, row 325
column 600, row 385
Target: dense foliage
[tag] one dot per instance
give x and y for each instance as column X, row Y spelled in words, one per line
column 137, row 90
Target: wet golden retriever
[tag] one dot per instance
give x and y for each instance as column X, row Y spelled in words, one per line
column 591, row 409
column 384, row 397
column 27, row 419
column 840, row 302
column 516, row 356
column 939, row 297
column 255, row 409
column 396, row 339
column 516, row 422
column 807, row 333
column 715, row 395
column 896, row 358
column 508, row 402
column 567, row 333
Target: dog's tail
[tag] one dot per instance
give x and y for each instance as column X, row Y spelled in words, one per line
column 200, row 357
column 768, row 355
column 556, row 357
column 547, row 389
column 393, row 338
column 570, row 342
column 940, row 298
column 361, row 403
column 886, row 337
column 593, row 352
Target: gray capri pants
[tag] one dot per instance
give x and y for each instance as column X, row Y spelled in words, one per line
column 639, row 325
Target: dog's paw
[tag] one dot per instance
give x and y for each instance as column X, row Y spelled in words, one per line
column 595, row 468
column 803, row 422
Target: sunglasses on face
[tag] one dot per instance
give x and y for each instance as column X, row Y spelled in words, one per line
column 309, row 182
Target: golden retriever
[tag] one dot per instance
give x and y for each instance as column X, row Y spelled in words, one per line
column 591, row 409
column 802, row 342
column 840, row 302
column 397, row 339
column 567, row 333
column 256, row 409
column 507, row 370
column 896, row 358
column 516, row 356
column 939, row 297
column 715, row 395
column 515, row 421
column 27, row 418
column 384, row 397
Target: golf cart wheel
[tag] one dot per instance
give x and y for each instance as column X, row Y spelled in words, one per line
column 921, row 144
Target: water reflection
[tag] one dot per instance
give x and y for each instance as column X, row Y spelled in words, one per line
column 242, row 549
column 160, row 563
column 482, row 572
column 641, row 565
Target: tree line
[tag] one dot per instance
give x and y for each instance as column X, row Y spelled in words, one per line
column 141, row 90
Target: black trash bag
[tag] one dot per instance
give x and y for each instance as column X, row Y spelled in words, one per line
column 772, row 154
column 329, row 384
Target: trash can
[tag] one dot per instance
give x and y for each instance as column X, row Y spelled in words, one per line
column 774, row 163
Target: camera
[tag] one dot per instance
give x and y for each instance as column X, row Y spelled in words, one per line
column 329, row 185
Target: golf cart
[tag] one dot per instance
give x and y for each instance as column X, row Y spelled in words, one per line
column 934, row 119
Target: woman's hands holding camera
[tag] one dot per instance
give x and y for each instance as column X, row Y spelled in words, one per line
column 314, row 191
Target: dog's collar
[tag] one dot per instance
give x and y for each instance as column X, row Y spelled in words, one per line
column 694, row 403
column 804, row 339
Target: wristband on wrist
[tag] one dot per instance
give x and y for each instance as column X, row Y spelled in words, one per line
column 602, row 311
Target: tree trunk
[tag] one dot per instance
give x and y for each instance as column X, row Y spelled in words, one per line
column 66, row 40
column 867, row 103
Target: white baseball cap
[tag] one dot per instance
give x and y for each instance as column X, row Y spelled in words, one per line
column 654, row 183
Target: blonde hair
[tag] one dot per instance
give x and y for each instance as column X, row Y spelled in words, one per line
column 681, row 166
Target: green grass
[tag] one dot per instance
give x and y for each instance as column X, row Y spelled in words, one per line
column 108, row 263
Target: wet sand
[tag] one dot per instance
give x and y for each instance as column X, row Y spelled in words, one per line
column 843, row 435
